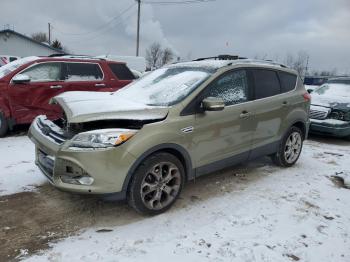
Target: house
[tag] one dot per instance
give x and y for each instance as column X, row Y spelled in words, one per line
column 16, row 44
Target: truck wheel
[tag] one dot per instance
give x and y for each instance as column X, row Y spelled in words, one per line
column 290, row 148
column 3, row 125
column 156, row 184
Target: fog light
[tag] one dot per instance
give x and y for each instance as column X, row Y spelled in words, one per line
column 77, row 180
column 86, row 180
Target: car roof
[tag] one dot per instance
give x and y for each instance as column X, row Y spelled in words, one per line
column 214, row 64
column 65, row 58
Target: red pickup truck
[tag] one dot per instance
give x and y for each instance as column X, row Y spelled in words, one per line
column 28, row 84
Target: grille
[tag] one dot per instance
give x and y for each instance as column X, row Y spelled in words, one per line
column 46, row 163
column 316, row 114
column 56, row 135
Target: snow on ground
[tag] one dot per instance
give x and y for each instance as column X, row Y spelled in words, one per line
column 18, row 171
column 266, row 214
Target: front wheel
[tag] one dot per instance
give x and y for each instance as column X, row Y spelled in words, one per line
column 156, row 184
column 290, row 148
column 3, row 125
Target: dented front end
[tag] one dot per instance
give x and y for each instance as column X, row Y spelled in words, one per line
column 90, row 170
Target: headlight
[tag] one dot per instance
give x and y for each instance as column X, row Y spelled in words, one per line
column 347, row 116
column 103, row 138
column 340, row 115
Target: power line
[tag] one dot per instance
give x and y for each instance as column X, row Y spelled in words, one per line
column 105, row 30
column 101, row 26
column 177, row 2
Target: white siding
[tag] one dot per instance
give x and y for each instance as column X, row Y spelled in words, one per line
column 12, row 44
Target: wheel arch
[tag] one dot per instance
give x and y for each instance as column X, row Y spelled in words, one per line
column 302, row 126
column 174, row 149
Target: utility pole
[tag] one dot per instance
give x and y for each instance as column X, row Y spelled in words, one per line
column 138, row 27
column 49, row 33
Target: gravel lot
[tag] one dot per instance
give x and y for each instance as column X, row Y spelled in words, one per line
column 252, row 212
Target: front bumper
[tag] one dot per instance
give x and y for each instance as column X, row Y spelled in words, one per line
column 331, row 127
column 107, row 167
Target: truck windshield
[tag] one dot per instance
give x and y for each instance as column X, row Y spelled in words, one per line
column 10, row 67
column 165, row 86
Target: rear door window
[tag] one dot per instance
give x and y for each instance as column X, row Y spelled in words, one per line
column 44, row 72
column 266, row 83
column 288, row 81
column 83, row 72
column 121, row 71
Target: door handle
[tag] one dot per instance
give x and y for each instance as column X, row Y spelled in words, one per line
column 100, row 85
column 56, row 87
column 244, row 115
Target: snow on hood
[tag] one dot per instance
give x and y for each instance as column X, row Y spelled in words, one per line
column 92, row 106
column 335, row 102
column 336, row 96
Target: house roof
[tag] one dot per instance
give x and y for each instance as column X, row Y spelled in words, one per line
column 30, row 39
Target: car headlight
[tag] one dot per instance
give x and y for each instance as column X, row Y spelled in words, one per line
column 103, row 138
column 340, row 115
column 347, row 116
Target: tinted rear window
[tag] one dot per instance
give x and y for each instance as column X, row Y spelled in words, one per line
column 121, row 71
column 288, row 81
column 83, row 72
column 266, row 83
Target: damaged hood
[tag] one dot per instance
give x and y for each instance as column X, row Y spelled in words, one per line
column 334, row 102
column 82, row 107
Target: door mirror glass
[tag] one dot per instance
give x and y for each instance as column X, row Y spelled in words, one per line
column 21, row 79
column 213, row 104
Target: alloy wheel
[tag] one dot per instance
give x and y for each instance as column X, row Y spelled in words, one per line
column 161, row 185
column 293, row 147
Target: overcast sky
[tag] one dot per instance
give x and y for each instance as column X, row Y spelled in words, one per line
column 267, row 28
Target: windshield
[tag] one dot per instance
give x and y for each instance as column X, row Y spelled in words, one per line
column 333, row 90
column 10, row 67
column 165, row 86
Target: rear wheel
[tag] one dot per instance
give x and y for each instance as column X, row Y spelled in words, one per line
column 3, row 125
column 290, row 148
column 156, row 184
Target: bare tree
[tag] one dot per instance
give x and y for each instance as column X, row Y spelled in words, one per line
column 154, row 54
column 40, row 37
column 298, row 62
column 57, row 44
column 157, row 56
column 167, row 56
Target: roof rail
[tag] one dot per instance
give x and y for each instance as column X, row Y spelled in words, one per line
column 269, row 62
column 221, row 57
column 56, row 55
column 76, row 56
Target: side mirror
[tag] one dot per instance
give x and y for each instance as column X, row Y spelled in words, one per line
column 21, row 79
column 309, row 91
column 213, row 104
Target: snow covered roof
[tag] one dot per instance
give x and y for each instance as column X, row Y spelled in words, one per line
column 216, row 64
column 8, row 31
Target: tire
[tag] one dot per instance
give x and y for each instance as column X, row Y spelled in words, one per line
column 3, row 125
column 290, row 148
column 154, row 189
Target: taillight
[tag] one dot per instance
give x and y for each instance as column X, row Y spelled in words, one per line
column 307, row 97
